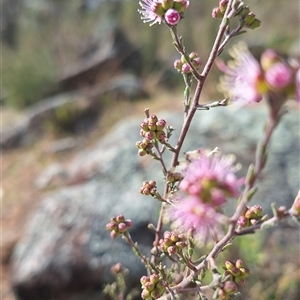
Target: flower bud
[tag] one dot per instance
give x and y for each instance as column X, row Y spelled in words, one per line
column 172, row 250
column 186, row 68
column 122, row 227
column 142, row 152
column 139, row 145
column 242, row 221
column 161, row 135
column 146, row 294
column 145, row 142
column 223, row 5
column 239, row 263
column 181, row 245
column 153, row 119
column 244, row 272
column 144, row 191
column 160, row 124
column 154, row 278
column 278, row 76
column 152, row 183
column 216, row 13
column 196, row 62
column 229, row 265
column 174, row 237
column 144, row 280
column 167, row 234
column 143, row 132
column 144, row 126
column 178, row 65
column 193, row 55
column 128, row 223
column 120, row 218
column 149, row 286
column 149, row 135
column 257, row 209
column 111, row 226
column 230, row 287
column 117, row 268
column 152, row 126
column 114, row 234
column 172, row 17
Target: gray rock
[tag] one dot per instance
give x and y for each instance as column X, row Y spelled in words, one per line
column 67, row 249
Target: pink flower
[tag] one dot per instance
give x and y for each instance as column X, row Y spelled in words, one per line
column 212, row 179
column 172, row 17
column 279, row 75
column 152, row 11
column 208, row 182
column 190, row 213
column 243, row 80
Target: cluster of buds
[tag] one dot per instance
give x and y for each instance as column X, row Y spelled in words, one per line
column 118, row 226
column 250, row 216
column 183, row 66
column 240, row 9
column 237, row 271
column 226, row 289
column 118, row 269
column 172, row 243
column 152, row 287
column 152, row 130
column 149, row 188
column 169, row 11
column 145, row 147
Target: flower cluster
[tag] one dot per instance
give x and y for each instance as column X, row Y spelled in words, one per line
column 118, row 269
column 118, row 225
column 152, row 129
column 237, row 271
column 172, row 243
column 149, row 188
column 169, row 11
column 246, row 80
column 250, row 216
column 240, row 9
column 182, row 65
column 212, row 179
column 152, row 287
column 208, row 182
column 145, row 147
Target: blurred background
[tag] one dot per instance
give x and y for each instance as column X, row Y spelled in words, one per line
column 72, row 69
